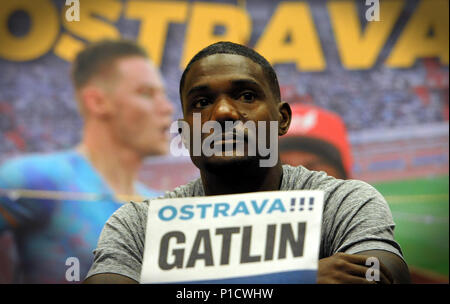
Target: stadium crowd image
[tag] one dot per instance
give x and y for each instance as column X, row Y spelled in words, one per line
column 93, row 95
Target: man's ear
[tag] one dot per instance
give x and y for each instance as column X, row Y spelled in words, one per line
column 285, row 117
column 94, row 101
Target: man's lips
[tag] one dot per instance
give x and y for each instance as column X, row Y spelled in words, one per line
column 229, row 137
column 227, row 141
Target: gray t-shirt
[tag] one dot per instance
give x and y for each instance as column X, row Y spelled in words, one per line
column 355, row 218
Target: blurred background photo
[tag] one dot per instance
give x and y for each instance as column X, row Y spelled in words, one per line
column 367, row 82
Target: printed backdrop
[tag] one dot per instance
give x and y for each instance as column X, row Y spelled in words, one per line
column 387, row 79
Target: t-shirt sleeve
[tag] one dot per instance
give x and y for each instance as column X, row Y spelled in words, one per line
column 121, row 243
column 361, row 221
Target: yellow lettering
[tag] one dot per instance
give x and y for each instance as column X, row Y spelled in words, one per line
column 43, row 31
column 89, row 27
column 67, row 47
column 360, row 50
column 292, row 20
column 204, row 19
column 155, row 17
column 415, row 42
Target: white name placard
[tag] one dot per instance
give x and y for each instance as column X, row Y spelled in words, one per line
column 261, row 237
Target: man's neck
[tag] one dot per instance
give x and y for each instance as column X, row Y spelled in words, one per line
column 242, row 180
column 117, row 165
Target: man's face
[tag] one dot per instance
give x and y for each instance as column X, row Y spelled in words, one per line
column 141, row 113
column 225, row 87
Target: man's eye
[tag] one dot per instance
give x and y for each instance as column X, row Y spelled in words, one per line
column 247, row 97
column 201, row 103
column 147, row 93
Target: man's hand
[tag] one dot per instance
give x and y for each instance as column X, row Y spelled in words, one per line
column 343, row 268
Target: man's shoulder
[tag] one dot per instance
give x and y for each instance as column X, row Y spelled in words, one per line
column 36, row 160
column 193, row 188
column 300, row 178
column 136, row 211
column 24, row 169
column 132, row 210
column 131, row 216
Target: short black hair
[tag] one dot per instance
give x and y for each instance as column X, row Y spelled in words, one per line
column 226, row 47
column 100, row 56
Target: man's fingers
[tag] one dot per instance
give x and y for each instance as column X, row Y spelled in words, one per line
column 351, row 279
column 385, row 274
column 360, row 265
column 367, row 273
column 352, row 258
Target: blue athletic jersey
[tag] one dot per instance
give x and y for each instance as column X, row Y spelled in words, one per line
column 49, row 230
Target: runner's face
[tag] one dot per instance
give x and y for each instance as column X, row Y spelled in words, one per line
column 142, row 111
column 225, row 87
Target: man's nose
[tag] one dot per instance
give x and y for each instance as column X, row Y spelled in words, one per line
column 224, row 110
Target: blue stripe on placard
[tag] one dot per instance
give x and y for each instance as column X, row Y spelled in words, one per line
column 287, row 277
